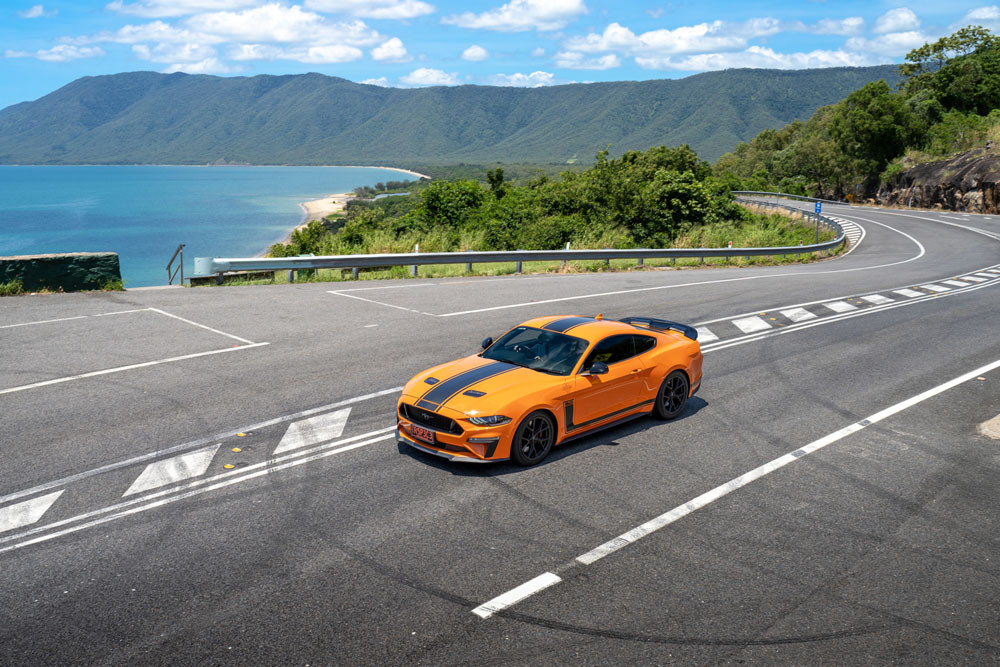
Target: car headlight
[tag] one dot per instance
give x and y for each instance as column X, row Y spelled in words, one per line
column 492, row 420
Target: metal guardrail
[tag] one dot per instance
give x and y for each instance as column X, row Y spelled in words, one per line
column 788, row 196
column 171, row 272
column 205, row 267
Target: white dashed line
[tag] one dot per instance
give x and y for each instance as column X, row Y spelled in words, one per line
column 751, row 324
column 175, row 469
column 515, row 595
column 974, row 279
column 705, row 335
column 935, row 288
column 314, row 430
column 27, row 512
column 877, row 298
column 910, row 293
column 955, row 283
column 798, row 314
column 840, row 306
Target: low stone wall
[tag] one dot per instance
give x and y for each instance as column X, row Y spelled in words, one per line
column 68, row 272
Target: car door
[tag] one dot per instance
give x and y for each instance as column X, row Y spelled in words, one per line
column 597, row 397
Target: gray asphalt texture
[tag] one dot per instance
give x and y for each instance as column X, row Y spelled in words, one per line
column 881, row 548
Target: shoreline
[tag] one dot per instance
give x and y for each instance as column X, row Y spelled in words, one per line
column 143, row 164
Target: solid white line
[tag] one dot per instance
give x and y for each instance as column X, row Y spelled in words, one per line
column 515, row 595
column 124, row 312
column 797, row 314
column 195, row 443
column 379, row 303
column 121, row 369
column 911, row 293
column 188, row 490
column 705, row 335
column 718, row 492
column 207, row 328
column 840, row 306
column 877, row 298
column 364, row 289
column 175, row 469
column 28, row 324
column 27, row 512
column 751, row 324
column 935, row 288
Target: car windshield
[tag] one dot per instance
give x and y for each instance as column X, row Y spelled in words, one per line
column 544, row 351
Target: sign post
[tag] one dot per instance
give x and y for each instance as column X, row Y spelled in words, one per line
column 819, row 209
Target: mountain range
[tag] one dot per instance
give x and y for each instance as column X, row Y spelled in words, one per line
column 308, row 119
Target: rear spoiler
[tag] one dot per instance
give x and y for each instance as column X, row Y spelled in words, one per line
column 662, row 325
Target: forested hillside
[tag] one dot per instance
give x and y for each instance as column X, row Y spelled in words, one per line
column 150, row 118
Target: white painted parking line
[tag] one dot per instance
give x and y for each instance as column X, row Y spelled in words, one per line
column 28, row 324
column 313, row 430
column 124, row 312
column 910, row 293
column 202, row 326
column 840, row 306
column 955, row 283
column 751, row 324
column 798, row 314
column 935, row 288
column 121, row 369
column 974, row 279
column 877, row 299
column 705, row 335
column 515, row 595
column 27, row 512
column 380, row 303
column 172, row 470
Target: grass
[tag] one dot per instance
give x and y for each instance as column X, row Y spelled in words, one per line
column 11, row 288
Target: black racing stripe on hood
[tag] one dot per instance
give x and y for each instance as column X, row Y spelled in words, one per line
column 442, row 391
column 566, row 323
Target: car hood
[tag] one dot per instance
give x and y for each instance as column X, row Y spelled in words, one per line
column 492, row 386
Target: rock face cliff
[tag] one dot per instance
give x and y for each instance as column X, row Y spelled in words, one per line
column 967, row 182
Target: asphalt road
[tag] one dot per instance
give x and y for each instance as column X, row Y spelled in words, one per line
column 826, row 497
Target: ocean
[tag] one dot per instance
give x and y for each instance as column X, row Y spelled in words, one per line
column 144, row 212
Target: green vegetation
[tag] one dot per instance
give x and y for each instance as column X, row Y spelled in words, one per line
column 947, row 102
column 11, row 288
column 664, row 197
column 151, row 118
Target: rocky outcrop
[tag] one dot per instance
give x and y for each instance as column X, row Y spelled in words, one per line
column 66, row 272
column 967, row 182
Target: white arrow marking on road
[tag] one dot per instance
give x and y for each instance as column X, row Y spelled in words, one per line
column 314, row 430
column 173, row 470
column 27, row 512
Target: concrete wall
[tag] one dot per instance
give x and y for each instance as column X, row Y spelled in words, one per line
column 69, row 272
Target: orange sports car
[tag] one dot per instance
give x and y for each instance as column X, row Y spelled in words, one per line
column 548, row 381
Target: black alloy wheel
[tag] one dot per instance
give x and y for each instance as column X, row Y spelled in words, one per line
column 533, row 439
column 673, row 396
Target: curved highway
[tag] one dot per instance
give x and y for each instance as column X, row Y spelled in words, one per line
column 209, row 476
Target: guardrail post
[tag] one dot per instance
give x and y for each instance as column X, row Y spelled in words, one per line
column 468, row 267
column 413, row 267
column 355, row 273
column 639, row 262
column 291, row 276
column 564, row 261
column 517, row 266
column 218, row 278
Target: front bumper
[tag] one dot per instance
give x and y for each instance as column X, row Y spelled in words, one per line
column 404, row 438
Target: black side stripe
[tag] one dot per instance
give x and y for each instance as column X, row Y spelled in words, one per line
column 566, row 323
column 443, row 391
column 570, row 426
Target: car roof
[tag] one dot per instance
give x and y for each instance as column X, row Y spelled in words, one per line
column 588, row 328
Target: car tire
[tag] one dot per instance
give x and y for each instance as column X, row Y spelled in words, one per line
column 672, row 396
column 533, row 439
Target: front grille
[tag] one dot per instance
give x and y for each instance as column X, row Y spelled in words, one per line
column 429, row 419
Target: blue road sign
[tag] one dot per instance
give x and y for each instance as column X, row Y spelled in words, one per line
column 819, row 207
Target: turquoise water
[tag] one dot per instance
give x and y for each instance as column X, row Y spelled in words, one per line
column 143, row 213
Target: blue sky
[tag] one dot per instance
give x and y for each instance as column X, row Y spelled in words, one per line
column 444, row 42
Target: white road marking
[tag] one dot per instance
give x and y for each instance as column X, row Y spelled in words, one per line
column 193, row 444
column 705, row 335
column 797, row 314
column 515, row 595
column 910, row 293
column 877, row 298
column 935, row 288
column 380, row 303
column 121, row 369
column 723, row 490
column 124, row 312
column 955, row 283
column 190, row 489
column 840, row 306
column 370, row 326
column 27, row 512
column 172, row 470
column 751, row 324
column 365, row 289
column 313, row 430
column 985, row 275
column 974, row 279
column 28, row 324
column 207, row 328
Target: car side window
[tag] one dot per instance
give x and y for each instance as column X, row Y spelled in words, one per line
column 611, row 350
column 644, row 343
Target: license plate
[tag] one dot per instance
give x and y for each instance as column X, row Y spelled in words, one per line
column 421, row 433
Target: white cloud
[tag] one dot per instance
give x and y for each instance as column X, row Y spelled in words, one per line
column 391, row 51
column 533, row 80
column 168, row 8
column 892, row 45
column 207, row 66
column 280, row 23
column 538, row 52
column 849, row 26
column 520, row 15
column 59, row 53
column 382, row 82
column 373, row 9
column 317, row 55
column 758, row 57
column 37, row 11
column 174, row 53
column 988, row 17
column 426, row 76
column 475, row 53
column 334, row 53
column 704, row 37
column 574, row 60
column 155, row 31
column 901, row 19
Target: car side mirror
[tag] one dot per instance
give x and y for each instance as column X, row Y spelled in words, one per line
column 487, row 342
column 598, row 368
